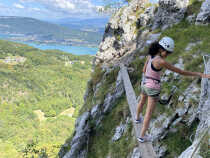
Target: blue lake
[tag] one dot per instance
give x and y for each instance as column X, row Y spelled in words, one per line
column 77, row 50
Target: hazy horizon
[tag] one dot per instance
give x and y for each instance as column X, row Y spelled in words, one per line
column 54, row 9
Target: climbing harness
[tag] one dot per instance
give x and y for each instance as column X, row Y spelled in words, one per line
column 161, row 101
column 166, row 101
column 152, row 78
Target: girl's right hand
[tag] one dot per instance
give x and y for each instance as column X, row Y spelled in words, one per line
column 205, row 75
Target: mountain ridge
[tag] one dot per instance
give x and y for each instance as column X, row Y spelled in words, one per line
column 31, row 29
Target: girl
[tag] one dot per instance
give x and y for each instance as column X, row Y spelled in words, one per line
column 150, row 88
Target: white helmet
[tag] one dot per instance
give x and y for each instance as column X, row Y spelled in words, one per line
column 167, row 43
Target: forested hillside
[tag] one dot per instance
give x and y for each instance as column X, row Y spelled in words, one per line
column 41, row 93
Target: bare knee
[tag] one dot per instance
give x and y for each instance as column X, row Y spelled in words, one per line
column 150, row 107
column 143, row 99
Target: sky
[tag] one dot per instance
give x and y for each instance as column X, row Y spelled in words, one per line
column 52, row 9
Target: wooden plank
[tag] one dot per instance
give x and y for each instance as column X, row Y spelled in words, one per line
column 146, row 148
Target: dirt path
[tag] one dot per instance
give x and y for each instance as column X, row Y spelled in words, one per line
column 40, row 115
column 69, row 112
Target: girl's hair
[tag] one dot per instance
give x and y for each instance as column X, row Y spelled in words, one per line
column 154, row 49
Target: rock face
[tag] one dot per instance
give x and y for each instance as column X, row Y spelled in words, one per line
column 204, row 15
column 119, row 32
column 146, row 18
column 204, row 116
column 169, row 12
column 82, row 128
column 79, row 142
column 136, row 153
column 163, row 124
column 120, row 130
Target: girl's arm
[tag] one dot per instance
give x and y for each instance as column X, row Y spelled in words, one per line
column 167, row 65
column 145, row 65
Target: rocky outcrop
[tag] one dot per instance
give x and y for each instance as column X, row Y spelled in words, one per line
column 169, row 13
column 135, row 154
column 92, row 118
column 120, row 32
column 122, row 128
column 204, row 117
column 204, row 15
column 146, row 18
column 163, row 124
column 79, row 141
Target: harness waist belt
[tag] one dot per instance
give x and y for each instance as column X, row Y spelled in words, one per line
column 148, row 77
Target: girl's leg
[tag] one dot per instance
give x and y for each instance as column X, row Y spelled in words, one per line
column 150, row 107
column 141, row 104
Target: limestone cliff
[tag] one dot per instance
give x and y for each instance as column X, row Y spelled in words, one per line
column 181, row 128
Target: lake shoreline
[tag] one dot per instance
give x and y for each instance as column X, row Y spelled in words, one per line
column 73, row 49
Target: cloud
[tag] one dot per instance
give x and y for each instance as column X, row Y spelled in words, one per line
column 19, row 6
column 52, row 9
column 35, row 9
column 66, row 6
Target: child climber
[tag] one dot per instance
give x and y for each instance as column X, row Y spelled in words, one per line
column 150, row 88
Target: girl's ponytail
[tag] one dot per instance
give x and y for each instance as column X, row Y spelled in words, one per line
column 154, row 49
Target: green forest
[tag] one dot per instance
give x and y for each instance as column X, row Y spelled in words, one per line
column 40, row 98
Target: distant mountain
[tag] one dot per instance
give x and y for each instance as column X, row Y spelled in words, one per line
column 94, row 24
column 30, row 29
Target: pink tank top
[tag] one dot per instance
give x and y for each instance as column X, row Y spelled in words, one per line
column 152, row 78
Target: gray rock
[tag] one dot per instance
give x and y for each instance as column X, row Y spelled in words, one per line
column 118, row 132
column 191, row 45
column 152, row 38
column 204, row 15
column 95, row 111
column 119, row 86
column 119, row 32
column 136, row 153
column 121, row 129
column 167, row 73
column 179, row 65
column 158, row 126
column 82, row 126
column 108, row 103
column 87, row 91
column 79, row 141
column 204, row 116
column 161, row 150
column 96, row 89
column 169, row 13
column 110, row 99
column 163, row 124
column 146, row 17
column 191, row 18
column 141, row 39
column 192, row 92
